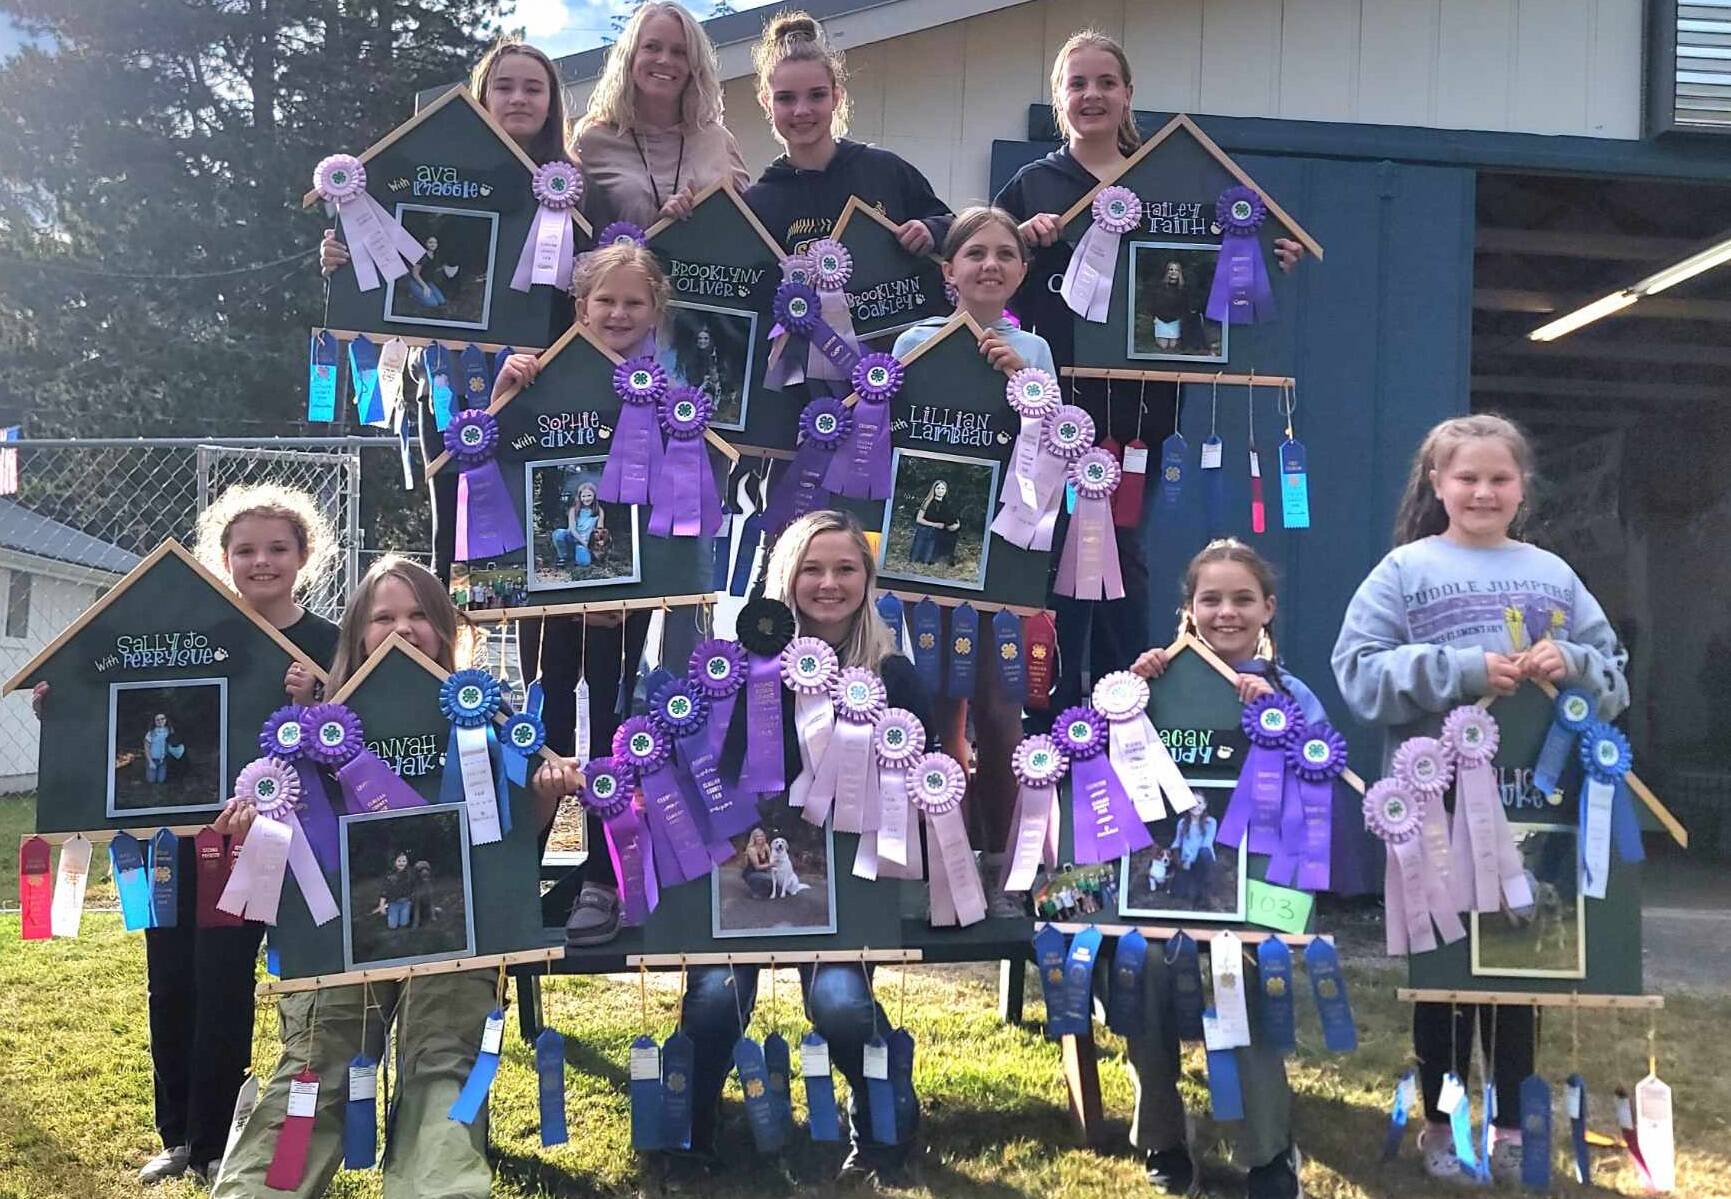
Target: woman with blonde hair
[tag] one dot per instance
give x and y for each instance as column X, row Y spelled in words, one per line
column 653, row 137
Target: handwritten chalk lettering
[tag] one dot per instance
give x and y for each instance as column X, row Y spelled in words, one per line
column 1172, row 216
column 950, row 426
column 713, row 279
column 887, row 299
column 158, row 650
column 410, row 757
column 444, row 181
column 1187, row 738
column 560, row 429
column 1515, row 788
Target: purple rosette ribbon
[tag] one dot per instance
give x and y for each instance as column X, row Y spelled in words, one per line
column 1394, row 812
column 682, row 494
column 621, row 233
column 378, row 244
column 682, row 709
column 1106, row 826
column 1607, row 811
column 936, row 785
column 1240, row 294
column 893, row 850
column 1088, row 566
column 823, row 425
column 487, row 523
column 765, row 628
column 1087, row 286
column 275, row 845
column 635, row 457
column 1137, row 753
column 1270, row 721
column 549, row 249
column 820, row 320
column 1316, row 757
column 717, row 668
column 860, row 467
column 607, row 793
column 282, row 737
column 845, row 775
column 1039, row 766
column 1034, row 478
column 1485, row 867
column 333, row 738
column 831, row 264
column 808, row 666
column 681, row 854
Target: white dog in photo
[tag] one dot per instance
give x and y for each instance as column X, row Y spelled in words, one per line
column 782, row 879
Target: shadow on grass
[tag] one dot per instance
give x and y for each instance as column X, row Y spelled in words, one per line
column 584, row 1058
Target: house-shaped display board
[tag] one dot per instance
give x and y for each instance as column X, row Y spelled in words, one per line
column 1568, row 942
column 460, row 186
column 724, row 268
column 158, row 692
column 477, row 901
column 1167, row 263
column 553, row 440
column 951, row 423
column 889, row 288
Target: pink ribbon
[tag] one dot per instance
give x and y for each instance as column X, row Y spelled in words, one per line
column 275, row 841
column 1087, row 286
column 1143, row 762
column 378, row 245
column 1038, row 765
column 893, row 849
column 548, row 250
column 958, row 899
column 1485, row 867
column 808, row 666
column 1412, row 889
column 1088, row 568
column 848, row 776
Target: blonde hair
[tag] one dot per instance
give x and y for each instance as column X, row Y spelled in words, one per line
column 1129, row 139
column 614, row 100
column 797, row 37
column 453, row 628
column 1227, row 549
column 970, row 221
column 869, row 641
column 1421, row 513
column 596, row 265
column 550, row 142
column 268, row 501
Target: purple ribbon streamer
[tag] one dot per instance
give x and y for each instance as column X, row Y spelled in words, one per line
column 764, row 772
column 371, row 786
column 860, row 468
column 487, row 524
column 1283, row 858
column 1256, row 801
column 633, row 866
column 1106, row 825
column 700, row 758
column 674, row 826
column 635, row 458
column 1088, row 567
column 1240, row 294
column 801, row 487
column 720, row 716
column 683, row 492
column 318, row 820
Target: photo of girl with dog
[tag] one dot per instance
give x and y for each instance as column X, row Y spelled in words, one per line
column 778, row 882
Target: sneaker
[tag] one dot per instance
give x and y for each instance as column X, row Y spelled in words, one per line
column 594, row 917
column 1171, row 1172
column 1440, row 1161
column 205, row 1172
column 1506, row 1159
column 1277, row 1179
column 170, row 1163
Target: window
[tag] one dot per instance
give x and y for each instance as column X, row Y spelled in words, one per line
column 17, row 604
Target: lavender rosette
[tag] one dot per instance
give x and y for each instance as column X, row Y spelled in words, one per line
column 1087, row 285
column 1088, row 567
column 1240, row 294
column 254, row 888
column 1485, row 868
column 1395, row 813
column 378, row 243
column 937, row 783
column 682, row 492
column 621, row 233
column 846, row 775
column 641, row 746
column 831, row 264
column 824, row 424
column 487, row 523
column 860, row 467
column 1039, row 766
column 894, row 849
column 549, row 249
column 1269, row 721
column 636, row 453
column 808, row 666
column 607, row 793
column 1106, row 826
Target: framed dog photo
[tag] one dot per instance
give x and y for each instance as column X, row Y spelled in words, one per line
column 450, row 285
column 1169, row 284
column 574, row 539
column 1547, row 940
column 167, row 746
column 1184, row 875
column 406, row 892
column 712, row 349
column 780, row 881
column 937, row 522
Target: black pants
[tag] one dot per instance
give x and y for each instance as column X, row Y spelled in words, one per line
column 1510, row 1038
column 1096, row 637
column 201, row 1015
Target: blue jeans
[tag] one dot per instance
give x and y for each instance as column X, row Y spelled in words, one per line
column 840, row 1005
column 156, row 770
column 398, row 913
column 565, row 547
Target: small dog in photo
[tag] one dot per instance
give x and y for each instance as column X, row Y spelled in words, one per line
column 1159, row 869
column 783, row 880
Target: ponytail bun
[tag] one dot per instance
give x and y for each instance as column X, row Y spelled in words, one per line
column 795, row 26
column 797, row 37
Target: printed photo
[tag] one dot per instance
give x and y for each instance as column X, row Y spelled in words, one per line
column 937, row 523
column 1074, row 892
column 1185, row 875
column 167, row 746
column 567, row 842
column 1547, row 940
column 406, row 892
column 779, row 881
column 1169, row 285
column 574, row 539
column 450, row 284
column 483, row 586
column 712, row 349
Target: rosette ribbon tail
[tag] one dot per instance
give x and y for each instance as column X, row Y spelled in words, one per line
column 674, row 827
column 635, row 457
column 1486, row 868
column 1031, row 491
column 1035, row 836
column 254, row 889
column 474, row 776
column 1088, row 568
column 682, row 492
column 487, row 524
column 727, row 815
column 763, row 772
column 800, row 488
column 1255, row 807
column 1087, row 286
column 1241, row 294
column 1106, row 824
column 1607, row 810
column 371, row 786
column 858, row 801
column 813, row 792
column 317, row 818
column 893, row 849
column 633, row 865
column 958, row 898
column 860, row 467
column 833, row 349
column 548, row 252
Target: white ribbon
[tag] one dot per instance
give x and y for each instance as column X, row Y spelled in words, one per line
column 814, row 721
column 584, row 727
column 1596, row 844
column 1653, row 1133
column 393, row 358
column 1036, row 823
column 849, row 765
column 67, row 912
column 377, row 243
column 1087, row 286
column 254, row 889
column 479, row 795
column 1232, row 1016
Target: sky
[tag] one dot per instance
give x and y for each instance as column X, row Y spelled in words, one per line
column 563, row 27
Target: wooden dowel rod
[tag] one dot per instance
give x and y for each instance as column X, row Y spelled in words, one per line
column 764, row 957
column 448, row 342
column 492, row 615
column 1570, row 999
column 1115, row 373
column 288, row 986
column 951, row 601
column 1249, row 936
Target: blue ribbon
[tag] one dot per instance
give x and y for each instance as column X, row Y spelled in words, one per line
column 890, row 611
column 1578, row 1129
column 1126, row 1014
column 1536, row 1133
column 473, row 1096
column 1172, row 454
column 881, row 1095
column 964, row 651
column 646, row 1099
column 1328, row 986
column 1008, row 652
column 322, row 378
column 750, row 534
column 1461, row 1126
column 766, row 1129
column 364, row 374
column 1570, row 715
column 272, row 961
column 778, row 1067
column 550, row 1086
column 929, row 646
column 1397, row 1117
column 1077, row 1010
column 1279, row 1020
column 678, row 1068
column 361, row 1115
column 164, row 879
column 126, row 860
column 477, row 379
column 436, row 361
column 901, row 1048
column 1049, row 947
column 1225, row 1091
column 1485, row 1133
column 821, row 1113
column 1294, row 486
column 499, row 356
column 1185, row 972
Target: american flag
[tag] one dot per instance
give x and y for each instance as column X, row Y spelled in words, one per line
column 9, row 461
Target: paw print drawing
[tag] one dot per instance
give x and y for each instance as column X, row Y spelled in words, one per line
column 221, row 655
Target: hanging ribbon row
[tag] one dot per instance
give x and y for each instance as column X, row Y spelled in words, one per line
column 459, row 375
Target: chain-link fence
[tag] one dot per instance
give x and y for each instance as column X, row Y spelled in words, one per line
column 85, row 512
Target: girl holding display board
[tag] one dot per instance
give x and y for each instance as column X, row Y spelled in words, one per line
column 1418, row 640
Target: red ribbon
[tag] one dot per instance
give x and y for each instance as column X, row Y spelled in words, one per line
column 1127, row 500
column 215, row 861
column 36, row 888
column 288, row 1165
column 1040, row 643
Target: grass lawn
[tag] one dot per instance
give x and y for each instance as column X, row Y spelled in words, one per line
column 75, row 1092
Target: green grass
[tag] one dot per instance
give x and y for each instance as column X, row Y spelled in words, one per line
column 76, row 1108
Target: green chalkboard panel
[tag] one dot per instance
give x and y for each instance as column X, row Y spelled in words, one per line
column 553, row 441
column 158, row 692
column 460, row 187
column 396, row 696
column 1569, row 942
column 889, row 288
